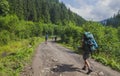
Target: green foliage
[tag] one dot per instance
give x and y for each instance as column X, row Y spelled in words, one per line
column 38, row 29
column 102, row 60
column 46, row 11
column 4, row 7
column 48, row 28
column 13, row 63
column 71, row 32
column 9, row 23
column 14, row 29
column 118, row 33
column 111, row 34
column 4, row 37
column 114, row 21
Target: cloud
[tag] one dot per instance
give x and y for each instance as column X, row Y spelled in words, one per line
column 94, row 9
column 84, row 12
column 115, row 5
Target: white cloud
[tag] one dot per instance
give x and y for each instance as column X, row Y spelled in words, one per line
column 115, row 5
column 95, row 9
column 84, row 12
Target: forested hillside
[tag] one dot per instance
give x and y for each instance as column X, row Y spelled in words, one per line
column 113, row 21
column 21, row 21
column 45, row 11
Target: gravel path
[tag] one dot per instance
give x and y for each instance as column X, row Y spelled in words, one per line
column 52, row 59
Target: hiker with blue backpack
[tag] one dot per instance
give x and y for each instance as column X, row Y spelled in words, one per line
column 88, row 45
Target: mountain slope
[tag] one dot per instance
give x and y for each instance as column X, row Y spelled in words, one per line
column 44, row 10
column 113, row 21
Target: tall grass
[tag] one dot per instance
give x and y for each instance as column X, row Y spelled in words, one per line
column 16, row 55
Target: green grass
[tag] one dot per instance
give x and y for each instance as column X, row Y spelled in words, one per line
column 16, row 55
column 108, row 61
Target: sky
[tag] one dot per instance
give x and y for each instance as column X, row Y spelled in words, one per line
column 95, row 10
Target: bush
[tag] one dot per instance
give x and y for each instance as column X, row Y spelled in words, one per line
column 4, row 37
column 12, row 64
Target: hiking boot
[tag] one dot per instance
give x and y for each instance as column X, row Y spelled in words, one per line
column 89, row 71
column 84, row 68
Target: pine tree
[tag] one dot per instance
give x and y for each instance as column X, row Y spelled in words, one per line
column 44, row 11
column 4, row 7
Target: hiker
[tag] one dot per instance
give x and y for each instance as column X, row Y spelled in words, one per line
column 86, row 54
column 52, row 38
column 46, row 38
column 55, row 38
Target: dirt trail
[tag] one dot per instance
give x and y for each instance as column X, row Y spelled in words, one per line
column 52, row 59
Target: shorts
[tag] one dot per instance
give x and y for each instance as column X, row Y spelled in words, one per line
column 86, row 56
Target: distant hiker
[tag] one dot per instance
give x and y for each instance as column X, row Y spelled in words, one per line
column 88, row 45
column 52, row 38
column 46, row 38
column 55, row 38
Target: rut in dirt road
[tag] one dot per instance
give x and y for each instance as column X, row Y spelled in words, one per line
column 52, row 59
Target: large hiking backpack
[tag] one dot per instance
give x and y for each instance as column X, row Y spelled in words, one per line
column 90, row 41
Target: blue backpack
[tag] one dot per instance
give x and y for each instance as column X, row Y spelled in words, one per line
column 90, row 41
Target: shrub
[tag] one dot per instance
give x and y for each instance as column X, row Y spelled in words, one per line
column 4, row 37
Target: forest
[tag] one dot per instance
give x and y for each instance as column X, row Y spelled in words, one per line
column 46, row 11
column 27, row 21
column 114, row 21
